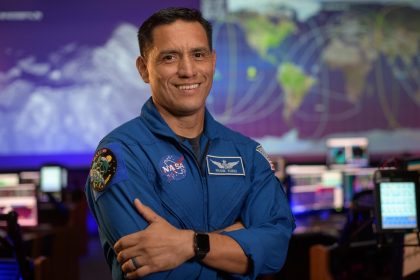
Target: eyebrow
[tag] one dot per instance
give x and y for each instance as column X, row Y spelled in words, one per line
column 172, row 51
column 201, row 49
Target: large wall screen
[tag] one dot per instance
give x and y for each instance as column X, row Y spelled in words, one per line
column 289, row 74
column 292, row 74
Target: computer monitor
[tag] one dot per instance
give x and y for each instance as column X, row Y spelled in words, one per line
column 397, row 198
column 314, row 188
column 356, row 180
column 9, row 179
column 53, row 179
column 22, row 199
column 31, row 177
column 347, row 152
column 413, row 164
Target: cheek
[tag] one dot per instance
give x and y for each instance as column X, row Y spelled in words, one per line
column 155, row 78
column 162, row 79
column 160, row 87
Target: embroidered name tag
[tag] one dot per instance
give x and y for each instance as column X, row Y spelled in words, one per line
column 225, row 165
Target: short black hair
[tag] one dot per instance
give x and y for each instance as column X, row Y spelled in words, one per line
column 168, row 16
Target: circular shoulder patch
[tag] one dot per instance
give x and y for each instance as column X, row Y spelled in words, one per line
column 104, row 166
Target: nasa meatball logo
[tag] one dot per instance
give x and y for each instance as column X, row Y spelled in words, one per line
column 173, row 168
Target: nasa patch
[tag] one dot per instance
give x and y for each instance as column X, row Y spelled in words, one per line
column 103, row 168
column 172, row 167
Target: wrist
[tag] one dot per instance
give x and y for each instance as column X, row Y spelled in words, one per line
column 189, row 241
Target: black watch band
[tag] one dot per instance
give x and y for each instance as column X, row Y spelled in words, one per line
column 201, row 245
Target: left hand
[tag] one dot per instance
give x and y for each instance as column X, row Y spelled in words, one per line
column 159, row 247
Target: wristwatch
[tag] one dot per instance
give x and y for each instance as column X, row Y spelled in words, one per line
column 201, row 245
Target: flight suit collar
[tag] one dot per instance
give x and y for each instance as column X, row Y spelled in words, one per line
column 158, row 126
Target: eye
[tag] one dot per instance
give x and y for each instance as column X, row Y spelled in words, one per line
column 168, row 57
column 200, row 55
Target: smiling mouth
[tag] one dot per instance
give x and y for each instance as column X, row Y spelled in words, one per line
column 188, row 87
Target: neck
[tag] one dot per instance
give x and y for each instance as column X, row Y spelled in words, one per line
column 185, row 126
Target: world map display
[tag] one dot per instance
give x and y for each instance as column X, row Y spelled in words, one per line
column 289, row 74
column 294, row 74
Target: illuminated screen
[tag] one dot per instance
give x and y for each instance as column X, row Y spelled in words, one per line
column 280, row 78
column 356, row 181
column 22, row 199
column 315, row 188
column 347, row 152
column 414, row 165
column 29, row 177
column 70, row 79
column 52, row 179
column 9, row 179
column 398, row 205
column 283, row 79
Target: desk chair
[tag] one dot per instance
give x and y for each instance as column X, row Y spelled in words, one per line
column 14, row 263
column 15, row 245
column 362, row 260
column 360, row 252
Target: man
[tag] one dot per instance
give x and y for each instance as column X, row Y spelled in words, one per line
column 180, row 195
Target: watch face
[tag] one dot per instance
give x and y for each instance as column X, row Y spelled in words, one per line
column 202, row 241
column 201, row 245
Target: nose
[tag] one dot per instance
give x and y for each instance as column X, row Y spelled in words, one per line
column 186, row 67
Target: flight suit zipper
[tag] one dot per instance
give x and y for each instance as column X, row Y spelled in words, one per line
column 201, row 170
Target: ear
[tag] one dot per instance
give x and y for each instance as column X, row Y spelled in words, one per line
column 142, row 68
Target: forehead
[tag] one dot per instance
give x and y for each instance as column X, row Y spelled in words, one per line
column 179, row 34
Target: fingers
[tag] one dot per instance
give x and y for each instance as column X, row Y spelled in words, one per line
column 131, row 265
column 132, row 239
column 133, row 268
column 126, row 242
column 139, row 273
column 129, row 248
column 148, row 214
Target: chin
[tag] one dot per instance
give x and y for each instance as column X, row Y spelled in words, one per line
column 189, row 105
column 187, row 110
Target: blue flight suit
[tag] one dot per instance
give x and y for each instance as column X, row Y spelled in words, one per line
column 232, row 181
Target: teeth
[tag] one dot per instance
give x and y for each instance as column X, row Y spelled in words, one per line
column 187, row 87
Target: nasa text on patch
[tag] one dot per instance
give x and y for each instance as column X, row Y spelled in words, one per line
column 219, row 165
column 172, row 167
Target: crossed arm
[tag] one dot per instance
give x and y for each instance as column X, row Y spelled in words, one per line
column 162, row 247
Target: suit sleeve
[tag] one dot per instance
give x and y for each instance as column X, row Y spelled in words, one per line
column 267, row 219
column 113, row 208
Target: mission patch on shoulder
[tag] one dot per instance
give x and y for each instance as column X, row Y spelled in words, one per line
column 261, row 150
column 104, row 166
